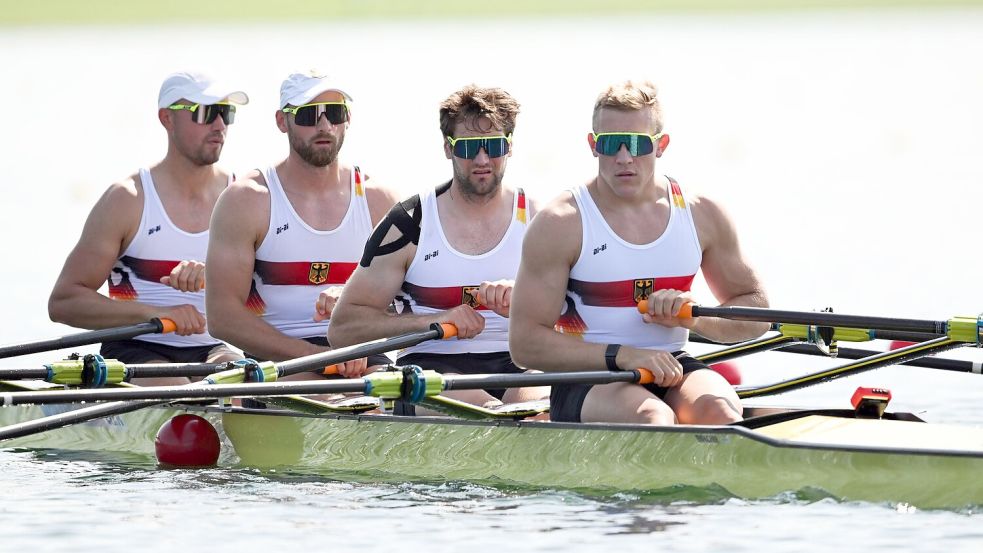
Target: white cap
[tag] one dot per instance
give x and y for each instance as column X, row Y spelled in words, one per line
column 198, row 88
column 300, row 88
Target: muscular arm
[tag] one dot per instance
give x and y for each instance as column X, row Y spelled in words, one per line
column 361, row 312
column 75, row 299
column 239, row 223
column 550, row 249
column 731, row 279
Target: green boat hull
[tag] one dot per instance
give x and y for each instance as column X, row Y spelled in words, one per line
column 597, row 459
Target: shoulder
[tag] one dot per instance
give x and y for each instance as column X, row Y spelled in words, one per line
column 124, row 194
column 248, row 187
column 713, row 222
column 557, row 221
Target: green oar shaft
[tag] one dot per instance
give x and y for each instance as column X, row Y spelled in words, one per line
column 147, row 370
column 862, row 365
column 83, row 338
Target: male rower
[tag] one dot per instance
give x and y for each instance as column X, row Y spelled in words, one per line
column 149, row 233
column 600, row 248
column 286, row 238
column 450, row 255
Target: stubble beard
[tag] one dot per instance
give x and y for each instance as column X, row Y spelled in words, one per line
column 318, row 157
column 477, row 191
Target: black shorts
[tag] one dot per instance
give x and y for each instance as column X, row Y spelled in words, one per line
column 142, row 351
column 567, row 400
column 378, row 359
column 498, row 362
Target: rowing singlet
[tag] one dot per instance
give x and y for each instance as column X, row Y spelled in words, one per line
column 440, row 277
column 612, row 275
column 156, row 249
column 296, row 262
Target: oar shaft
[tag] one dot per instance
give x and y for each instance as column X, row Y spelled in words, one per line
column 762, row 315
column 382, row 345
column 44, row 424
column 941, row 363
column 861, row 365
column 148, row 370
column 492, row 381
column 184, row 392
column 85, row 338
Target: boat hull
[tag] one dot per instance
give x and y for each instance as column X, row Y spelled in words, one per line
column 603, row 458
column 597, row 459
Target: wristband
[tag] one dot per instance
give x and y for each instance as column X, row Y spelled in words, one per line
column 610, row 356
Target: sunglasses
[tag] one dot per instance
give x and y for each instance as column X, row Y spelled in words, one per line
column 638, row 144
column 468, row 148
column 206, row 114
column 308, row 115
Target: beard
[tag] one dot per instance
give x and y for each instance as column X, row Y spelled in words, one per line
column 204, row 155
column 475, row 189
column 317, row 156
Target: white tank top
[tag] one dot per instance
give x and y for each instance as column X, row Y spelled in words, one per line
column 156, row 249
column 296, row 262
column 612, row 275
column 440, row 278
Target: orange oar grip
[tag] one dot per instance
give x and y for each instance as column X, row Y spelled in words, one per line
column 330, row 369
column 685, row 312
column 645, row 376
column 168, row 325
column 450, row 330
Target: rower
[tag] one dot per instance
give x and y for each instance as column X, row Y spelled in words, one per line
column 149, row 233
column 285, row 238
column 449, row 255
column 598, row 249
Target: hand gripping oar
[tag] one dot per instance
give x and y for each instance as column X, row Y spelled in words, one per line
column 153, row 326
column 247, row 370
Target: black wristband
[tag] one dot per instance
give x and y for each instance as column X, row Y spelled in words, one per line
column 611, row 355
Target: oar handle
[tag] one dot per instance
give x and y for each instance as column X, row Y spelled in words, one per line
column 685, row 312
column 166, row 325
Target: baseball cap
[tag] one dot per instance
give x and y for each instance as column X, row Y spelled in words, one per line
column 198, row 88
column 300, row 88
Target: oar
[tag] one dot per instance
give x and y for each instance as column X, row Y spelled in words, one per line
column 161, row 326
column 965, row 329
column 129, row 372
column 255, row 372
column 940, row 363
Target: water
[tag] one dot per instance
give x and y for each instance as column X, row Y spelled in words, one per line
column 844, row 144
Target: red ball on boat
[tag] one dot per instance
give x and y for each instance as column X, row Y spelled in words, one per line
column 729, row 370
column 187, row 441
column 898, row 344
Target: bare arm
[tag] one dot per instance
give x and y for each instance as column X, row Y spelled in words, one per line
column 551, row 247
column 728, row 274
column 239, row 223
column 75, row 299
column 361, row 313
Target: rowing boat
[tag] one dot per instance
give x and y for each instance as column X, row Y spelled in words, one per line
column 773, row 451
column 862, row 454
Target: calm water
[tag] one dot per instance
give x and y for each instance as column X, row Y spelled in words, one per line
column 845, row 146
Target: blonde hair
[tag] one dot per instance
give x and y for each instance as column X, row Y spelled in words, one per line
column 473, row 102
column 630, row 96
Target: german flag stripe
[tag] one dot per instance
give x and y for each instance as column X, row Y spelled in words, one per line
column 254, row 302
column 520, row 209
column 304, row 273
column 626, row 293
column 446, row 297
column 148, row 269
